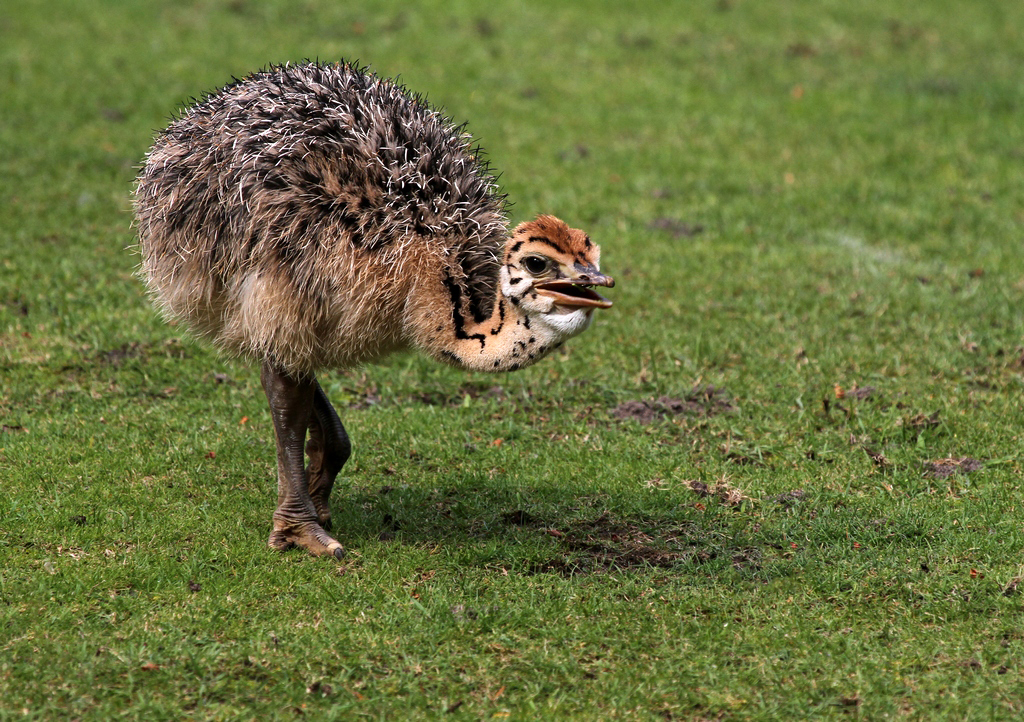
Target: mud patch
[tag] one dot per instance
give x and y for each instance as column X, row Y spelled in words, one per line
column 701, row 401
column 602, row 558
column 945, row 468
column 607, row 545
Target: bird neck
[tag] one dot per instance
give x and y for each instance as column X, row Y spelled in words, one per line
column 509, row 339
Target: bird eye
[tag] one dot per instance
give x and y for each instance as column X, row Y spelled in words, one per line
column 535, row 264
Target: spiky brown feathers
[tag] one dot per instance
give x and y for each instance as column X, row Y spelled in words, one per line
column 289, row 170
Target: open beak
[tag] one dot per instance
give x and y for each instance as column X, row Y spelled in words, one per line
column 578, row 292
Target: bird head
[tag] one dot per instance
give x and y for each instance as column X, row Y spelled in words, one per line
column 549, row 273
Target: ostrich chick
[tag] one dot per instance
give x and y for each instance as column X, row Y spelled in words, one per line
column 316, row 216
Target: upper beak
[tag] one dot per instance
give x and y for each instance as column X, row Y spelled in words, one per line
column 577, row 291
column 596, row 278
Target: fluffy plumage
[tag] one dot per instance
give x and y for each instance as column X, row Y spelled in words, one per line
column 271, row 212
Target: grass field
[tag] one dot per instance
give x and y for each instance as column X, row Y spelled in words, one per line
column 779, row 480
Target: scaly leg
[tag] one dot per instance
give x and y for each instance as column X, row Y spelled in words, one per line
column 296, row 521
column 328, row 449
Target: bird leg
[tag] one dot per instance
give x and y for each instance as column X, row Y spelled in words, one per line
column 292, row 408
column 328, row 449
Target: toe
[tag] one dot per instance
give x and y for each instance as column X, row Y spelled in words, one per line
column 280, row 540
column 306, row 534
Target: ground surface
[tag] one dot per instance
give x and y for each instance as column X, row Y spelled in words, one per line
column 780, row 479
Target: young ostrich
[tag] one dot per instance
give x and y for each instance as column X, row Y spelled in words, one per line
column 316, row 216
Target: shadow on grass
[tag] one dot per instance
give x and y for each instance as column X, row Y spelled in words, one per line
column 548, row 531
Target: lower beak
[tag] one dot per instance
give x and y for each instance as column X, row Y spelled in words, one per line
column 577, row 292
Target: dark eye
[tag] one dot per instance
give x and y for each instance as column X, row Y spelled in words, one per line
column 535, row 264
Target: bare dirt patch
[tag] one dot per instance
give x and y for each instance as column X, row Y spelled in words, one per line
column 599, row 557
column 701, row 401
column 607, row 545
column 945, row 468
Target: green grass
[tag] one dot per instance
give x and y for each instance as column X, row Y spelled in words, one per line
column 855, row 171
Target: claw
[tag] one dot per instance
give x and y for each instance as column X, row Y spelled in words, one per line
column 309, row 535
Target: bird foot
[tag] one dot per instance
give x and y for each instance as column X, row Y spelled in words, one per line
column 306, row 534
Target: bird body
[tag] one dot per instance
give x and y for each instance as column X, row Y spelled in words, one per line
column 316, row 216
column 291, row 214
